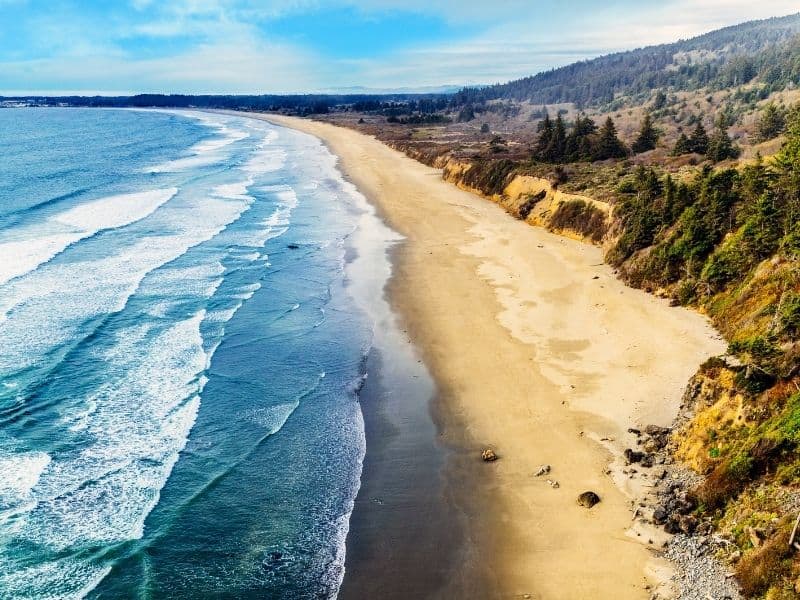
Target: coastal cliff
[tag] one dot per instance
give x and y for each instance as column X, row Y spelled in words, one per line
column 533, row 199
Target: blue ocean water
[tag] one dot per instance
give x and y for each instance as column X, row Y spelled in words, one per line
column 180, row 358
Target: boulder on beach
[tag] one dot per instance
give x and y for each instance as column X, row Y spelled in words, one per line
column 588, row 499
column 489, row 455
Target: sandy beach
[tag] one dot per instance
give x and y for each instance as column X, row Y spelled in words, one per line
column 538, row 352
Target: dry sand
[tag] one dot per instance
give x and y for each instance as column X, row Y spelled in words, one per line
column 538, row 352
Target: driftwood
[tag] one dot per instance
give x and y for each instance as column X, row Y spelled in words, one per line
column 793, row 543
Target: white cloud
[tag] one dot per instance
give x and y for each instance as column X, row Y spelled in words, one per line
column 230, row 53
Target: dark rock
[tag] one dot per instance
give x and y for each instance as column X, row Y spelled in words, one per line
column 683, row 506
column 489, row 455
column 655, row 430
column 588, row 499
column 647, row 461
column 671, row 526
column 632, row 456
column 660, row 515
column 653, row 445
column 634, row 431
column 705, row 528
column 687, row 524
column 293, row 246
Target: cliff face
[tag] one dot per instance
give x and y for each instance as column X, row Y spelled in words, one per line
column 535, row 200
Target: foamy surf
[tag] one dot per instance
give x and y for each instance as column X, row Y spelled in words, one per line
column 25, row 248
column 157, row 356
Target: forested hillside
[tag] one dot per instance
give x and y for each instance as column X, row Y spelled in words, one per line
column 766, row 51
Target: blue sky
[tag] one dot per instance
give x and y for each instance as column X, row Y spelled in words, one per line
column 251, row 46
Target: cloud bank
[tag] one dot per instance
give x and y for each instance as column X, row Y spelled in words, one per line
column 246, row 46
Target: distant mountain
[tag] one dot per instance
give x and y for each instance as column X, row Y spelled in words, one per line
column 766, row 51
column 362, row 90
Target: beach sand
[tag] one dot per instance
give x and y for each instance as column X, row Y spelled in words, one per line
column 538, row 352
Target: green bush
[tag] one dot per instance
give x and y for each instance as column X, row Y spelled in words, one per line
column 580, row 216
column 790, row 314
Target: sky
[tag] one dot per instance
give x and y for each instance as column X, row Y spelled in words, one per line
column 284, row 46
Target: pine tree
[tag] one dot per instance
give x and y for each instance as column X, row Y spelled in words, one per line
column 682, row 146
column 608, row 144
column 772, row 122
column 647, row 183
column 578, row 145
column 648, row 136
column 698, row 142
column 555, row 150
column 720, row 146
column 545, row 137
column 466, row 114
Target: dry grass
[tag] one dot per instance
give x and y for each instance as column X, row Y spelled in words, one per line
column 770, row 565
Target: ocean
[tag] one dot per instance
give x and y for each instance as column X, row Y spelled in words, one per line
column 182, row 352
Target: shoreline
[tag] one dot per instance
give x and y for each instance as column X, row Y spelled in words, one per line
column 403, row 467
column 534, row 346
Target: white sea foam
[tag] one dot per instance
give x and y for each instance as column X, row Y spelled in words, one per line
column 46, row 314
column 25, row 248
column 273, row 418
column 102, row 493
column 52, row 580
column 265, row 161
column 20, row 473
column 236, row 190
column 207, row 152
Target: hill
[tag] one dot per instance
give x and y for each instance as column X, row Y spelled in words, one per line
column 764, row 51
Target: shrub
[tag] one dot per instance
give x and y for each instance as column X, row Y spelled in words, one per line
column 790, row 314
column 489, row 176
column 580, row 216
column 527, row 206
column 762, row 567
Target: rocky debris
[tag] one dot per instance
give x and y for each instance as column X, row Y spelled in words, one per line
column 656, row 431
column 651, row 446
column 543, row 470
column 698, row 575
column 674, row 510
column 553, row 484
column 655, row 438
column 668, row 504
column 588, row 499
column 489, row 455
column 633, row 456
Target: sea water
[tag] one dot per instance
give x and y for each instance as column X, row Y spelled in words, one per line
column 179, row 357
